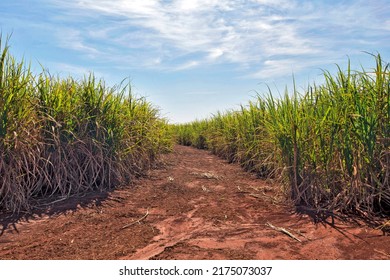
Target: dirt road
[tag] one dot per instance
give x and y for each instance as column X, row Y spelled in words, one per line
column 193, row 206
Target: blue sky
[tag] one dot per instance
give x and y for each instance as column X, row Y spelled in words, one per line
column 193, row 58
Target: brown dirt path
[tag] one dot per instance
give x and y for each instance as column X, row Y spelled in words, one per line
column 193, row 206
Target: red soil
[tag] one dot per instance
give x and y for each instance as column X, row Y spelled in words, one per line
column 193, row 206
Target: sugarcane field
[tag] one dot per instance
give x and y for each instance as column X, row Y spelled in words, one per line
column 92, row 171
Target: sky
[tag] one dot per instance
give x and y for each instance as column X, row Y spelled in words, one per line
column 194, row 58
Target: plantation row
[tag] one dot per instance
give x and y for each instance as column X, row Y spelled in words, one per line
column 329, row 145
column 64, row 136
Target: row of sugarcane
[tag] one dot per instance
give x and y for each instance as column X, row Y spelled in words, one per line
column 62, row 136
column 329, row 145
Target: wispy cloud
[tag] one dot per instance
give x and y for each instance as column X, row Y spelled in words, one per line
column 187, row 65
column 67, row 69
column 73, row 39
column 72, row 70
column 262, row 36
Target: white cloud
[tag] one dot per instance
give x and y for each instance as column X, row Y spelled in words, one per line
column 187, row 65
column 268, row 33
column 73, row 39
column 215, row 53
column 67, row 69
column 272, row 68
